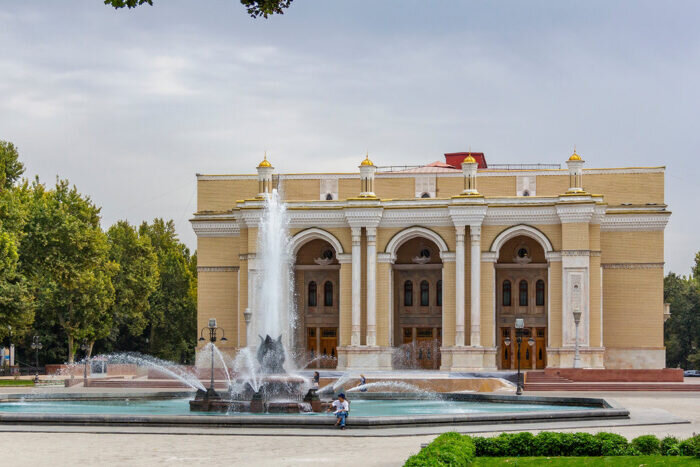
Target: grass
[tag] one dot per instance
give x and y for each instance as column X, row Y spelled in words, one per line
column 622, row 461
column 16, row 382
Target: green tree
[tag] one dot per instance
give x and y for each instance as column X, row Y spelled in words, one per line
column 64, row 255
column 135, row 281
column 16, row 302
column 10, row 166
column 254, row 8
column 682, row 330
column 172, row 314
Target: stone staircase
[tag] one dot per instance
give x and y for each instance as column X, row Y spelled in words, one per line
column 539, row 381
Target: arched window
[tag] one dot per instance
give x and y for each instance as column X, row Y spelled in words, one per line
column 438, row 295
column 328, row 293
column 425, row 195
column 523, row 293
column 539, row 293
column 329, row 197
column 408, row 293
column 312, row 294
column 506, row 293
column 424, row 293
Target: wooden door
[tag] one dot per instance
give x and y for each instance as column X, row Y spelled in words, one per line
column 311, row 347
column 506, row 350
column 329, row 344
column 540, row 348
column 526, row 350
column 426, row 349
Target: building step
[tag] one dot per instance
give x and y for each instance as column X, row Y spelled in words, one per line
column 676, row 387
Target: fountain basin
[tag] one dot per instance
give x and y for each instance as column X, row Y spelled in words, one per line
column 375, row 410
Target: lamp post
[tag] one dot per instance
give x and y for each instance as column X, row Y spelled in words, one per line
column 519, row 332
column 212, row 328
column 577, row 356
column 12, row 354
column 84, row 347
column 36, row 345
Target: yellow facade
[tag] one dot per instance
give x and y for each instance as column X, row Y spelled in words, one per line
column 605, row 240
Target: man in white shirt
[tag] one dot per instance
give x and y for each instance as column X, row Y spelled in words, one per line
column 342, row 407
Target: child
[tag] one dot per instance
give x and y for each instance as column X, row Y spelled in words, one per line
column 342, row 407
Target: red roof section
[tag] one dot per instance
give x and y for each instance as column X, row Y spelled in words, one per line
column 455, row 159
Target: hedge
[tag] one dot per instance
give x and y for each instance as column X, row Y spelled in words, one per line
column 447, row 449
column 456, row 449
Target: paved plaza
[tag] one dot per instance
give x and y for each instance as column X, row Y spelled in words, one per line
column 661, row 414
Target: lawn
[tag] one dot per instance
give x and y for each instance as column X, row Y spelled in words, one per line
column 616, row 461
column 16, row 382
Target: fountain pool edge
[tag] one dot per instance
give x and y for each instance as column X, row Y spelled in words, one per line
column 602, row 410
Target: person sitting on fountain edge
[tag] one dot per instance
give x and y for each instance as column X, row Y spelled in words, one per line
column 342, row 407
column 317, row 379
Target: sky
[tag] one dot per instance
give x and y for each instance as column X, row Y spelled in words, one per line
column 130, row 104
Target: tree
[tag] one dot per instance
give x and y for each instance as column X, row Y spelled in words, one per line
column 172, row 314
column 10, row 166
column 682, row 330
column 16, row 302
column 255, row 8
column 64, row 255
column 134, row 283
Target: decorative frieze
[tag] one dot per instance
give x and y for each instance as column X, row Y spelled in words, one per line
column 632, row 265
column 217, row 268
column 227, row 228
column 635, row 222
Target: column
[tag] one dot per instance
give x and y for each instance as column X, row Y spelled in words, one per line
column 459, row 288
column 475, row 233
column 345, row 294
column 356, row 284
column 371, row 286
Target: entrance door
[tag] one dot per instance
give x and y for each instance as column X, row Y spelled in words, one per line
column 540, row 348
column 426, row 348
column 329, row 343
column 525, row 350
column 506, row 350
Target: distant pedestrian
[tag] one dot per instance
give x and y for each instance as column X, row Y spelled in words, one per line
column 342, row 407
column 363, row 383
column 317, row 379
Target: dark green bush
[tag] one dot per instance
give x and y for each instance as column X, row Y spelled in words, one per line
column 448, row 449
column 546, row 443
column 647, row 445
column 566, row 441
column 497, row 446
column 612, row 444
column 690, row 446
column 585, row 444
column 520, row 444
column 669, row 446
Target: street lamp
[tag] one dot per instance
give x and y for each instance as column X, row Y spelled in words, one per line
column 519, row 332
column 212, row 328
column 36, row 345
column 84, row 347
column 577, row 356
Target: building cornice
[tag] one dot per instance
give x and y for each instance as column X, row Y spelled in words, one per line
column 216, row 228
column 635, row 222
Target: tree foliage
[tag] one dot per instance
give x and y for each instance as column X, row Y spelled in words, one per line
column 682, row 330
column 255, row 8
column 10, row 166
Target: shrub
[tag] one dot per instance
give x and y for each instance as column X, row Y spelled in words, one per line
column 566, row 442
column 520, row 444
column 612, row 444
column 647, row 445
column 585, row 444
column 690, row 446
column 448, row 449
column 546, row 443
column 497, row 446
column 669, row 446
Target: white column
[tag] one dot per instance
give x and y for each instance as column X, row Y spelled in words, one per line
column 356, row 284
column 459, row 288
column 475, row 233
column 371, row 286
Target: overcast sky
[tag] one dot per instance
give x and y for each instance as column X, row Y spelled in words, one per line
column 129, row 105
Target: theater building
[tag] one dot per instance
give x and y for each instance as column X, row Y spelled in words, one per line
column 431, row 266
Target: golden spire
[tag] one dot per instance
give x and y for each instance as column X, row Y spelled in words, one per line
column 574, row 156
column 366, row 161
column 265, row 162
column 469, row 159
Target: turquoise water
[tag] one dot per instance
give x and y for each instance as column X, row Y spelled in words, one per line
column 358, row 408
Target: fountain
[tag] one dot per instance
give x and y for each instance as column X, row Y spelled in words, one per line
column 265, row 384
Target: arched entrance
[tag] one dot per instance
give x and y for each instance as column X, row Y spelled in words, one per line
column 417, row 292
column 316, row 276
column 522, row 291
